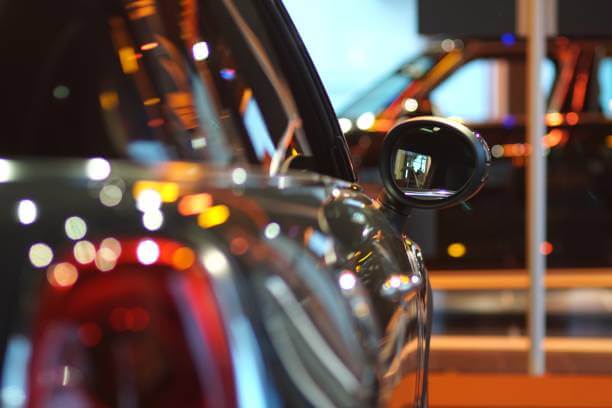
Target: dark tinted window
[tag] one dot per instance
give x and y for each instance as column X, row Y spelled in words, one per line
column 147, row 80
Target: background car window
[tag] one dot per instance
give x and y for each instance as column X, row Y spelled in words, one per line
column 383, row 93
column 605, row 86
column 492, row 84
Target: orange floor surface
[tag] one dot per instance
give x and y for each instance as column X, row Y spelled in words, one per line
column 510, row 391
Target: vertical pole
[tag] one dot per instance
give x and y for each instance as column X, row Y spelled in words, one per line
column 536, row 185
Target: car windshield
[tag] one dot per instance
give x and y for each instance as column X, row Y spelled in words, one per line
column 381, row 95
column 144, row 80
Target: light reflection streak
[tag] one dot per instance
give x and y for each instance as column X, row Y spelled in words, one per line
column 6, row 170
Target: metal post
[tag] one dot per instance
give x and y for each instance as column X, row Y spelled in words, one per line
column 536, row 185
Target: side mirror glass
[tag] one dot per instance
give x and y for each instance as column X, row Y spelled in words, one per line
column 429, row 162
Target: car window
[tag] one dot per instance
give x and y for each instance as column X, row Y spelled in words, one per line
column 482, row 89
column 123, row 80
column 381, row 95
column 605, row 86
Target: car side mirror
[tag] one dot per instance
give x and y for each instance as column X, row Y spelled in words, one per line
column 430, row 162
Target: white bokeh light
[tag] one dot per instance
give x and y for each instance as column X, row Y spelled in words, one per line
column 98, row 169
column 272, row 230
column 215, row 262
column 84, row 252
column 345, row 125
column 148, row 200
column 75, row 228
column 153, row 220
column 366, row 120
column 40, row 255
column 110, row 195
column 239, row 175
column 147, row 252
column 347, row 280
column 200, row 51
column 27, row 212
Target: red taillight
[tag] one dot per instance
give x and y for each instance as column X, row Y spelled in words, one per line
column 131, row 328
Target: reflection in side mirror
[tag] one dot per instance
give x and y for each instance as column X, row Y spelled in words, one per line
column 412, row 173
column 429, row 162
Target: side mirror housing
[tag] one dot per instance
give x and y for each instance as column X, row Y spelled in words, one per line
column 430, row 162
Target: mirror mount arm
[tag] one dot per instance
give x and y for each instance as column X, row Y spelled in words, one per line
column 397, row 215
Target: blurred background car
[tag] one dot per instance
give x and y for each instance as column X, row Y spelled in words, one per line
column 578, row 87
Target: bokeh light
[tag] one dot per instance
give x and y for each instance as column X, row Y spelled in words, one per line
column 40, row 255
column 75, row 228
column 153, row 220
column 200, row 51
column 411, row 105
column 347, row 280
column 27, row 212
column 62, row 275
column 366, row 120
column 456, row 250
column 98, row 169
column 183, row 258
column 84, row 252
column 108, row 254
column 214, row 261
column 213, row 216
column 110, row 195
column 147, row 252
column 167, row 191
column 272, row 230
column 239, row 175
column 194, row 204
column 345, row 125
column 148, row 200
column 546, row 248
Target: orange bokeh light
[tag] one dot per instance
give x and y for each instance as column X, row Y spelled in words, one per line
column 183, row 258
column 546, row 248
column 155, row 122
column 62, row 275
column 554, row 119
column 149, row 46
column 194, row 204
column 554, row 138
column 572, row 118
column 239, row 245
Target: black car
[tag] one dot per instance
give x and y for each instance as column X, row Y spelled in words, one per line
column 577, row 81
column 181, row 222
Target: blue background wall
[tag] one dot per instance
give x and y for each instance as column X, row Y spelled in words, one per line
column 355, row 42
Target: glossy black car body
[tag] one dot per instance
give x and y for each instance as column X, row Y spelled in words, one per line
column 134, row 275
column 579, row 123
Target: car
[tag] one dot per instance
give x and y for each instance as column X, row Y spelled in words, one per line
column 181, row 222
column 481, row 82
